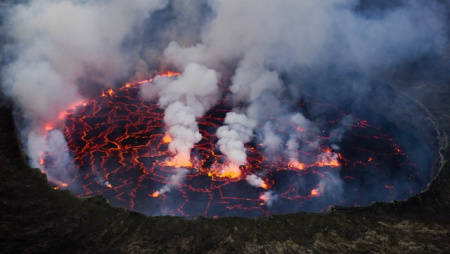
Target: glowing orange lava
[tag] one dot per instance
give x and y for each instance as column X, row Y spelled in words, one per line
column 315, row 193
column 121, row 149
column 264, row 198
column 170, row 74
column 48, row 127
column 167, row 139
column 328, row 159
column 297, row 165
column 178, row 163
column 227, row 171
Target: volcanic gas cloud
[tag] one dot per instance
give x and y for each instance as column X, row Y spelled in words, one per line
column 247, row 123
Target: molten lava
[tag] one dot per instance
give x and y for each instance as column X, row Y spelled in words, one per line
column 167, row 139
column 315, row 193
column 48, row 127
column 120, row 150
column 227, row 171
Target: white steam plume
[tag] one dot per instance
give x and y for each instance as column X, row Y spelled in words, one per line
column 312, row 34
column 338, row 133
column 268, row 198
column 250, row 82
column 185, row 98
column 300, row 126
column 256, row 181
column 237, row 131
column 57, row 43
column 172, row 182
column 54, row 144
column 272, row 142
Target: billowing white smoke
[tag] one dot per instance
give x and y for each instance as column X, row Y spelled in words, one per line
column 331, row 186
column 338, row 133
column 311, row 33
column 54, row 144
column 300, row 126
column 266, row 37
column 172, row 182
column 250, row 82
column 268, row 198
column 57, row 43
column 60, row 42
column 185, row 98
column 272, row 142
column 256, row 181
column 237, row 131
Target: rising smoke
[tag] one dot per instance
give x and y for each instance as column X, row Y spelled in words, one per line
column 185, row 99
column 60, row 46
column 56, row 45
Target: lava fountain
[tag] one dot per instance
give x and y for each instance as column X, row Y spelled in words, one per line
column 119, row 148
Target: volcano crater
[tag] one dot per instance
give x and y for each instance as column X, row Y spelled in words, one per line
column 119, row 150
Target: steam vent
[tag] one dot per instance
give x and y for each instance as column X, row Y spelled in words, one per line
column 173, row 126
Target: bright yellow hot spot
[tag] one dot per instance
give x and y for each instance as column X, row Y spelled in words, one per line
column 48, row 127
column 296, row 164
column 315, row 193
column 167, row 139
column 178, row 163
column 230, row 171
